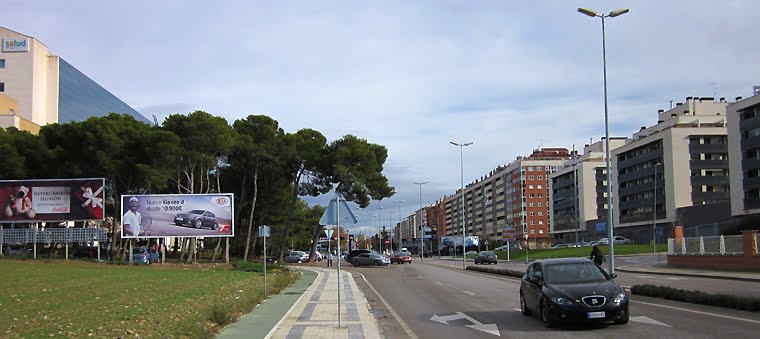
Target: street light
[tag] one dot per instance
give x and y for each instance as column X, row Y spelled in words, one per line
column 379, row 235
column 398, row 203
column 610, row 223
column 654, row 211
column 390, row 222
column 461, row 178
column 422, row 230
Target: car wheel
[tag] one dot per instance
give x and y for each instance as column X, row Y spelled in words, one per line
column 198, row 223
column 216, row 227
column 356, row 263
column 147, row 261
column 624, row 319
column 178, row 223
column 545, row 317
column 377, row 263
column 300, row 261
column 524, row 307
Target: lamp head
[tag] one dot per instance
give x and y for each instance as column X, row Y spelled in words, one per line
column 587, row 12
column 618, row 12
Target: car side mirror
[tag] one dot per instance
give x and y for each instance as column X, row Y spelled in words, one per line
column 613, row 275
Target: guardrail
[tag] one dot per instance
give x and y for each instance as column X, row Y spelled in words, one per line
column 52, row 235
column 718, row 245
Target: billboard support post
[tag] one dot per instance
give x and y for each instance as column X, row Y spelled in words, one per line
column 227, row 251
column 35, row 242
column 1, row 241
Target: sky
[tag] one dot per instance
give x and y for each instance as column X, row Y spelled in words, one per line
column 509, row 76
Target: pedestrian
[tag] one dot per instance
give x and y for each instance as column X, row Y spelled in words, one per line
column 596, row 255
column 329, row 259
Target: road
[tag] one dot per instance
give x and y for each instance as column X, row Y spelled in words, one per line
column 433, row 301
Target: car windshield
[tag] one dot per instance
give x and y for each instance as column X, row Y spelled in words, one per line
column 486, row 253
column 403, row 253
column 196, row 212
column 375, row 255
column 570, row 273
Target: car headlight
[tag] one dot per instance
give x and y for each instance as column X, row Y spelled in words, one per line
column 619, row 298
column 562, row 300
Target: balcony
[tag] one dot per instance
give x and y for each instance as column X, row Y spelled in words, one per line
column 647, row 157
column 708, row 164
column 708, row 148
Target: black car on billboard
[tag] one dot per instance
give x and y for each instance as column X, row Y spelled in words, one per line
column 572, row 290
column 197, row 219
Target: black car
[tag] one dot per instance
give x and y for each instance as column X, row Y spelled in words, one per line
column 572, row 290
column 197, row 219
column 486, row 257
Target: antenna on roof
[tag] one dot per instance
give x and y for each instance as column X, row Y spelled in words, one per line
column 715, row 89
column 155, row 121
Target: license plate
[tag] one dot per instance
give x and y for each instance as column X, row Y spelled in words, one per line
column 593, row 315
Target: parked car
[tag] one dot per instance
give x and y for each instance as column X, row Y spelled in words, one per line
column 401, row 257
column 295, row 257
column 370, row 259
column 471, row 253
column 18, row 250
column 511, row 247
column 619, row 240
column 486, row 257
column 572, row 290
column 144, row 255
column 561, row 245
column 197, row 219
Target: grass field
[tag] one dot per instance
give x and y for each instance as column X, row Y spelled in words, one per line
column 85, row 299
column 577, row 252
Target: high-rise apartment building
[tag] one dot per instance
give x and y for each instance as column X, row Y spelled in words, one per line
column 510, row 202
column 744, row 154
column 46, row 89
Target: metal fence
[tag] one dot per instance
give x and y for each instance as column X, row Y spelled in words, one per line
column 718, row 245
column 52, row 235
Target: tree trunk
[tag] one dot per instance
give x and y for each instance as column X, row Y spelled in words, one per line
column 253, row 208
column 291, row 210
column 315, row 240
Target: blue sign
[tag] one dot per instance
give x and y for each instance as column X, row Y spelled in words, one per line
column 658, row 231
column 601, row 227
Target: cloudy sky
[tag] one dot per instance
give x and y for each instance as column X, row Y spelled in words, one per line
column 510, row 76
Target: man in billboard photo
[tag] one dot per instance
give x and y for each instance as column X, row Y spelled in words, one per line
column 131, row 219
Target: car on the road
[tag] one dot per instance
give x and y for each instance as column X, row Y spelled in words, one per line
column 560, row 245
column 471, row 253
column 370, row 259
column 510, row 247
column 401, row 257
column 350, row 255
column 572, row 290
column 619, row 240
column 144, row 255
column 295, row 257
column 486, row 257
column 197, row 219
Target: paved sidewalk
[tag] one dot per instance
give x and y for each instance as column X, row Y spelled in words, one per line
column 314, row 314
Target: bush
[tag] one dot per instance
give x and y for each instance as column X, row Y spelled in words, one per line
column 697, row 297
column 494, row 270
column 219, row 315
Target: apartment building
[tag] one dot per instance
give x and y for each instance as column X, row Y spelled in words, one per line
column 46, row 89
column 680, row 162
column 578, row 194
column 509, row 202
column 744, row 154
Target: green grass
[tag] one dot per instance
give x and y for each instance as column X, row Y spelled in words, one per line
column 82, row 299
column 585, row 251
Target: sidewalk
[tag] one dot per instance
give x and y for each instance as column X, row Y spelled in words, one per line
column 309, row 309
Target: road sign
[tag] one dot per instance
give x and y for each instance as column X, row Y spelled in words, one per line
column 330, row 217
column 263, row 231
column 525, row 236
column 329, row 233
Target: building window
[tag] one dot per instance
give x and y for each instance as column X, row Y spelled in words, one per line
column 2, row 63
column 540, row 187
column 530, row 168
column 540, row 195
column 532, row 222
column 539, row 168
column 2, row 87
column 540, row 177
column 540, row 231
column 530, row 186
column 531, row 204
column 532, row 231
column 531, row 177
column 540, row 222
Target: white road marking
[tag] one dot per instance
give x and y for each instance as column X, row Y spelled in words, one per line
column 476, row 325
column 468, row 292
column 517, row 309
column 698, row 312
column 648, row 320
column 439, row 283
column 419, row 276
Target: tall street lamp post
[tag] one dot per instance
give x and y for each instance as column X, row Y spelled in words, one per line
column 390, row 234
column 654, row 212
column 398, row 203
column 379, row 235
column 422, row 230
column 610, row 222
column 461, row 178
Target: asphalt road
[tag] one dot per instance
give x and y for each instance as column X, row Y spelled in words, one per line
column 432, row 301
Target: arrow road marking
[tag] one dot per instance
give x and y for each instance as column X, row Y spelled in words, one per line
column 468, row 292
column 477, row 325
column 648, row 320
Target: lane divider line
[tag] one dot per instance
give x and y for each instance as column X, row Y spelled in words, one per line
column 390, row 309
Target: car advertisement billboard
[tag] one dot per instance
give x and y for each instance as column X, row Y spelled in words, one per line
column 177, row 215
column 51, row 200
column 457, row 241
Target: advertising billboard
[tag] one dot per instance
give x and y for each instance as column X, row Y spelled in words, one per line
column 177, row 215
column 457, row 241
column 51, row 200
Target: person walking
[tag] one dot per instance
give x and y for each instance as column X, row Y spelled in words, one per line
column 596, row 255
column 329, row 259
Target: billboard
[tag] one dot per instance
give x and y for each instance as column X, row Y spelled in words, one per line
column 177, row 215
column 457, row 241
column 51, row 200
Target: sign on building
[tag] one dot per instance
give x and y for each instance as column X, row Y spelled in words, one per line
column 177, row 215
